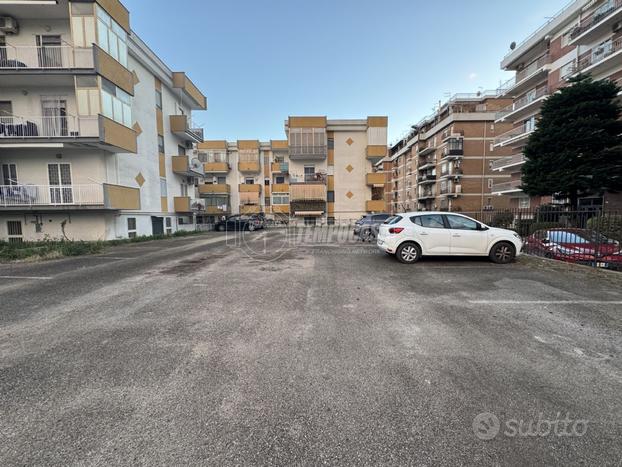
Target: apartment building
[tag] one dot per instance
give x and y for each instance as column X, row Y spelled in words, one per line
column 445, row 161
column 323, row 172
column 585, row 37
column 95, row 131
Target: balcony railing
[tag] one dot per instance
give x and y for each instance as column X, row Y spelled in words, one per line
column 526, row 72
column 427, row 194
column 307, row 192
column 515, row 159
column 600, row 53
column 51, row 195
column 48, row 127
column 45, row 57
column 426, row 178
column 427, row 162
column 513, row 185
column 523, row 102
column 513, row 134
column 308, row 152
column 184, row 127
column 597, row 16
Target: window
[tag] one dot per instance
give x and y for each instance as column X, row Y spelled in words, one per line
column 111, row 37
column 169, row 225
column 249, row 181
column 281, row 198
column 430, row 221
column 330, row 196
column 81, row 9
column 380, row 217
column 161, row 148
column 566, row 70
column 266, row 182
column 331, row 143
column 184, row 189
column 131, row 227
column 529, row 124
column 158, row 98
column 461, row 223
column 490, row 181
column 562, row 236
column 221, row 180
column 116, row 103
column 523, row 203
column 14, row 229
column 393, row 220
column 9, row 174
column 181, row 151
column 3, row 56
column 163, row 188
column 309, row 173
column 279, row 180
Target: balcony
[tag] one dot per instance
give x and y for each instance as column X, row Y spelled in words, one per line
column 214, row 189
column 526, row 77
column 309, row 153
column 182, row 127
column 184, row 165
column 514, row 136
column 427, row 149
column 186, row 204
column 280, row 167
column 426, row 194
column 249, row 188
column 375, row 179
column 250, row 209
column 426, row 179
column 452, row 172
column 427, row 163
column 249, row 166
column 451, row 190
column 454, row 148
column 216, row 167
column 280, row 208
column 502, row 188
column 512, row 161
column 599, row 20
column 307, row 192
column 280, row 188
column 524, row 105
column 598, row 59
column 220, row 209
column 375, row 205
column 25, row 58
column 53, row 197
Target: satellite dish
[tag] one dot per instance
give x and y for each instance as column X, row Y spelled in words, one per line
column 512, row 45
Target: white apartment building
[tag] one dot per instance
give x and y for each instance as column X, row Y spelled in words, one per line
column 324, row 172
column 585, row 37
column 95, row 130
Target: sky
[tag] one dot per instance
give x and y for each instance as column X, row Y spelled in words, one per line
column 260, row 61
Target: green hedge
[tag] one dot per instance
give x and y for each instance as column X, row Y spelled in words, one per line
column 608, row 225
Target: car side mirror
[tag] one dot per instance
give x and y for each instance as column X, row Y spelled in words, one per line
column 482, row 227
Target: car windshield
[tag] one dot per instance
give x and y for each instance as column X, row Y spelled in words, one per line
column 563, row 236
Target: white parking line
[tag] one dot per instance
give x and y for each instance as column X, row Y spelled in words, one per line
column 544, row 302
column 27, row 278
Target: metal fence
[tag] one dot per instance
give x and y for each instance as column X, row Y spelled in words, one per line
column 589, row 237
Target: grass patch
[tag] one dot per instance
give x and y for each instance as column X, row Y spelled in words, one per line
column 52, row 249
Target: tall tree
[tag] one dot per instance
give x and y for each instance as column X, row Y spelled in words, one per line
column 576, row 150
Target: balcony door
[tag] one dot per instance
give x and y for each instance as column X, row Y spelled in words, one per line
column 49, row 52
column 54, row 116
column 61, row 190
column 6, row 116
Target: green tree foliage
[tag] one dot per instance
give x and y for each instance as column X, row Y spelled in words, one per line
column 576, row 149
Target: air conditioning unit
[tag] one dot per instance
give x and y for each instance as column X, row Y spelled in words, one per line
column 458, row 189
column 8, row 25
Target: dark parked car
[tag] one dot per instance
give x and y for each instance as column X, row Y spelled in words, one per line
column 366, row 228
column 240, row 222
column 580, row 246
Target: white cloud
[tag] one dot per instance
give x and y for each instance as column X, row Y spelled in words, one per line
column 473, row 76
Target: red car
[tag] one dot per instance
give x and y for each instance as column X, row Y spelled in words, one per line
column 580, row 246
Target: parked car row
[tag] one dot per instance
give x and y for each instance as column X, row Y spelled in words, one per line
column 250, row 222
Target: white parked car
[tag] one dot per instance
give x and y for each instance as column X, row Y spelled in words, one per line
column 411, row 235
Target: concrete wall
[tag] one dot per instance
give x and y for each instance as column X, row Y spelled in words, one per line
column 351, row 181
column 78, row 225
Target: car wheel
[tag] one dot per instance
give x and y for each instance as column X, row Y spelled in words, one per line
column 368, row 236
column 408, row 253
column 502, row 253
column 220, row 228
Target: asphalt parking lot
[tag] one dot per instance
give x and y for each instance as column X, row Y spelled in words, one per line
column 214, row 350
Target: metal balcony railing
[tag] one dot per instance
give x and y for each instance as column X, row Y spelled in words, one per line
column 600, row 53
column 51, row 195
column 504, row 162
column 513, row 185
column 526, row 72
column 523, row 101
column 45, row 57
column 65, row 126
column 308, row 152
column 514, row 133
column 596, row 17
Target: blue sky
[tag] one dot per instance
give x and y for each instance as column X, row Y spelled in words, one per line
column 259, row 61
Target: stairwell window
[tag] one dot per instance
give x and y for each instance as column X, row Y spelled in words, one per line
column 131, row 227
column 116, row 103
column 14, row 230
column 169, row 225
column 111, row 37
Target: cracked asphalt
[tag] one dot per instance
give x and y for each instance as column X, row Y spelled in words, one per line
column 208, row 351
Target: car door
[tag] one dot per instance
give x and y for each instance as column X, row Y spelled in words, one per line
column 431, row 234
column 466, row 237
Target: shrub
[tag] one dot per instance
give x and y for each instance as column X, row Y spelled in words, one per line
column 503, row 219
column 608, row 225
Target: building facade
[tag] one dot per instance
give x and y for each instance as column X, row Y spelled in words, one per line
column 585, row 37
column 324, row 172
column 95, row 131
column 445, row 161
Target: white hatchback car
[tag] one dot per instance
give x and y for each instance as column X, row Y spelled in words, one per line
column 411, row 235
